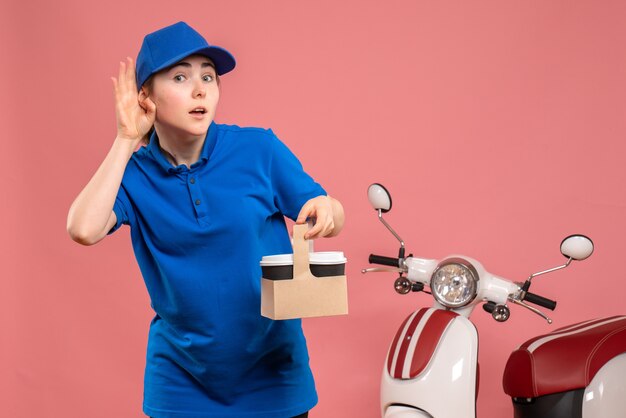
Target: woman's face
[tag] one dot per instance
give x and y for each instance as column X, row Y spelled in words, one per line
column 186, row 96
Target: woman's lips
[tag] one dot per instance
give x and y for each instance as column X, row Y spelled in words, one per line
column 198, row 113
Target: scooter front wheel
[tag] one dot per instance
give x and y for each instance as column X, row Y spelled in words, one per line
column 399, row 411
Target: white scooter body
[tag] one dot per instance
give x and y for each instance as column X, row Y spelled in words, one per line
column 451, row 369
column 452, row 366
column 604, row 396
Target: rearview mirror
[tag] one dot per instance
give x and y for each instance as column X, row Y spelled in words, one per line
column 577, row 247
column 379, row 197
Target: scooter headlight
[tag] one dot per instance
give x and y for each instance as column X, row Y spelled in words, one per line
column 454, row 283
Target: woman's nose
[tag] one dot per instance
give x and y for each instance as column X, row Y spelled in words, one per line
column 199, row 89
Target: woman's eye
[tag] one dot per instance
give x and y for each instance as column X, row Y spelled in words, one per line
column 207, row 77
column 179, row 77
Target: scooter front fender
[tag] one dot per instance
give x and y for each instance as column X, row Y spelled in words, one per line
column 398, row 411
column 446, row 386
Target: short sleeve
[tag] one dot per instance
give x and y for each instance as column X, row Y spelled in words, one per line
column 122, row 209
column 292, row 186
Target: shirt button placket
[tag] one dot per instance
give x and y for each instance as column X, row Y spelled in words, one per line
column 194, row 191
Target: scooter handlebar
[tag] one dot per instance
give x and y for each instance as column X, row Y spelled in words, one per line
column 385, row 261
column 540, row 300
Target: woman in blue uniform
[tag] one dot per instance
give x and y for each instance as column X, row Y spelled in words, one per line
column 204, row 203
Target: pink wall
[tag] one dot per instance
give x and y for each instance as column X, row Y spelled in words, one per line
column 498, row 126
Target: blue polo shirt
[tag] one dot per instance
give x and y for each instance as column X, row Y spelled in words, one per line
column 198, row 234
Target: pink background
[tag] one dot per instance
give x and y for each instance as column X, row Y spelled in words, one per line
column 498, row 126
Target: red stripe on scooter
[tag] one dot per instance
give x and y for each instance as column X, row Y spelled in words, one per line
column 428, row 340
column 405, row 343
column 394, row 344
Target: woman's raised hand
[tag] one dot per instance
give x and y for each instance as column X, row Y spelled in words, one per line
column 134, row 117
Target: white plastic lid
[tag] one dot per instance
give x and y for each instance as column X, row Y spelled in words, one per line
column 320, row 258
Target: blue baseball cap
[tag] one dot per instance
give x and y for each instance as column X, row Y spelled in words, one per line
column 168, row 45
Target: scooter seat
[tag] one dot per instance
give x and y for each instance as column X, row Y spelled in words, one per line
column 565, row 359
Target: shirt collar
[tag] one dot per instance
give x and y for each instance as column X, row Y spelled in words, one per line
column 205, row 153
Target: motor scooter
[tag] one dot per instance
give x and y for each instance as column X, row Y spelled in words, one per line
column 431, row 368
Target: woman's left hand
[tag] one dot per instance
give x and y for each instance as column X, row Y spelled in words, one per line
column 320, row 208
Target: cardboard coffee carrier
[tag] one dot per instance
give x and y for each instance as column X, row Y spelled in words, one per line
column 304, row 295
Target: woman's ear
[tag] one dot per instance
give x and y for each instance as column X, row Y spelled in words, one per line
column 142, row 96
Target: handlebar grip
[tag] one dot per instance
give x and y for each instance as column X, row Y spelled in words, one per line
column 540, row 300
column 385, row 261
column 489, row 307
